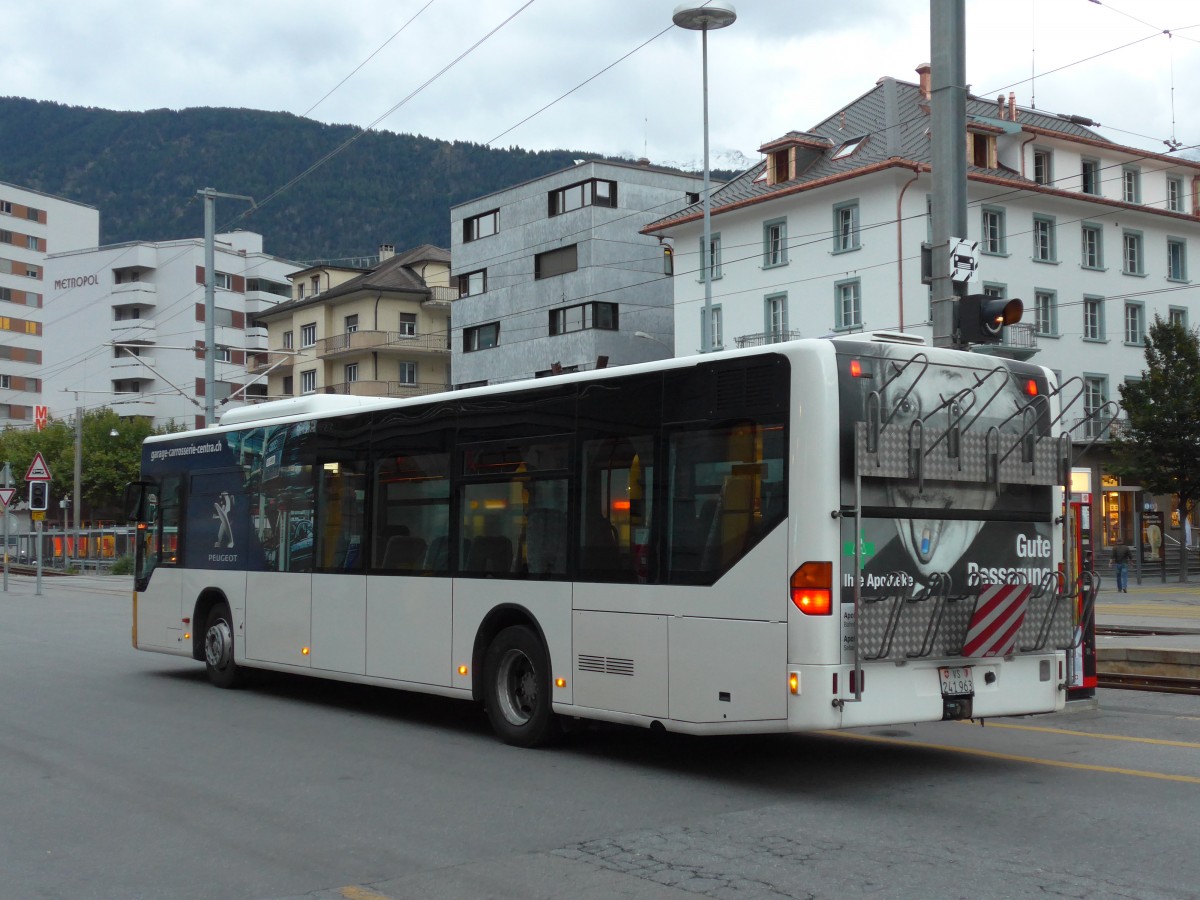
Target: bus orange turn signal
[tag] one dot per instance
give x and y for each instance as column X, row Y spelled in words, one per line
column 812, row 588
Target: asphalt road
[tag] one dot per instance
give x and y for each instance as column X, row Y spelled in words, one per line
column 123, row 774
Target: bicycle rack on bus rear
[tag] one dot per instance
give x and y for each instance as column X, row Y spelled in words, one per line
column 967, row 457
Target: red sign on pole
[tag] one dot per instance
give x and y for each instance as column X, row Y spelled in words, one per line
column 41, row 415
column 6, row 496
column 38, row 470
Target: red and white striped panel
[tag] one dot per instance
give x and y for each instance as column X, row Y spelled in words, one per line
column 997, row 619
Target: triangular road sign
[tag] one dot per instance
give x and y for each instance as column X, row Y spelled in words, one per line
column 6, row 496
column 38, row 470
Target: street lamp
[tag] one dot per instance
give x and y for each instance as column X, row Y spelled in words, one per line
column 704, row 18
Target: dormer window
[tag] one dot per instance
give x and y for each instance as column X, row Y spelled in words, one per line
column 779, row 166
column 981, row 150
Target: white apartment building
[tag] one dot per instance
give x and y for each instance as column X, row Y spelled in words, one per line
column 32, row 224
column 824, row 236
column 128, row 325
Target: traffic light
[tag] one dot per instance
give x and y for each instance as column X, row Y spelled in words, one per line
column 668, row 260
column 982, row 317
column 39, row 495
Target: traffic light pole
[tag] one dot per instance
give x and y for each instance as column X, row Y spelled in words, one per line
column 948, row 112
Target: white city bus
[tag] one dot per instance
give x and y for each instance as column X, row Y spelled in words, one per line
column 815, row 534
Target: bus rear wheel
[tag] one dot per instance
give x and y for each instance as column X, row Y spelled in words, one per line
column 517, row 688
column 218, row 648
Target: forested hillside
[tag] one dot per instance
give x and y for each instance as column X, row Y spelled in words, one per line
column 142, row 170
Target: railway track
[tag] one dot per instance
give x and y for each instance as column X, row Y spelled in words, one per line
column 1160, row 683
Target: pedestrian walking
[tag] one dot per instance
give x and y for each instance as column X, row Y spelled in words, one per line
column 1120, row 558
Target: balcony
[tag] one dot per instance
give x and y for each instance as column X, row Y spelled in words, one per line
column 1101, row 428
column 135, row 292
column 384, row 388
column 1016, row 342
column 435, row 343
column 766, row 337
column 126, row 330
column 126, row 365
column 285, row 360
column 440, row 298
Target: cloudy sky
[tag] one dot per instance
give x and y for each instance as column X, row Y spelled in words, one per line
column 784, row 64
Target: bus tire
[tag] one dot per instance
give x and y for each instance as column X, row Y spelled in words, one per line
column 517, row 688
column 218, row 648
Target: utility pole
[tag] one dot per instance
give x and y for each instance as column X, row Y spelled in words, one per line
column 6, row 477
column 210, row 196
column 948, row 111
column 78, row 477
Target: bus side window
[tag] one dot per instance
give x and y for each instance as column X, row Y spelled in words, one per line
column 616, row 486
column 412, row 513
column 340, row 509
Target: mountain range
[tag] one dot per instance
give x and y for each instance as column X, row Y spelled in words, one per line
column 325, row 192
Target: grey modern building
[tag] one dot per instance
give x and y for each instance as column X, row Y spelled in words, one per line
column 553, row 274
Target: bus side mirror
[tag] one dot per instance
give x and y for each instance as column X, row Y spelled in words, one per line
column 136, row 496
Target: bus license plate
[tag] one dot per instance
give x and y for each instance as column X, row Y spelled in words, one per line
column 956, row 680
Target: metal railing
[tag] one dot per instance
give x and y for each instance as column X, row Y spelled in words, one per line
column 384, row 388
column 352, row 341
column 766, row 337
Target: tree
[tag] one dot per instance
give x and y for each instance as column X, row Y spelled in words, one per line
column 1160, row 447
column 108, row 461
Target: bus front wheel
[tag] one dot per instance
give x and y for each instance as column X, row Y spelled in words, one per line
column 218, row 648
column 517, row 689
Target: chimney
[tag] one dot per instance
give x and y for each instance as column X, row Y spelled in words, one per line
column 386, row 251
column 1012, row 106
column 923, row 71
column 1001, row 110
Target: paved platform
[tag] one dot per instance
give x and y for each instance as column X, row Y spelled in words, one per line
column 1169, row 612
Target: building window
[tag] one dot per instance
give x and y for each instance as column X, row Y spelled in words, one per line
column 351, row 373
column 1135, row 331
column 481, row 337
column 848, row 148
column 1091, row 177
column 779, row 166
column 848, row 311
column 1044, row 244
column 1045, row 312
column 408, row 324
column 1093, row 246
column 1133, row 260
column 583, row 316
column 308, row 334
column 481, row 226
column 31, row 242
column 1131, row 185
column 472, row 283
column 308, row 381
column 288, row 386
column 6, row 382
column 714, row 257
column 408, row 373
column 315, row 284
column 1042, row 173
column 1177, row 315
column 223, row 280
column 556, row 262
column 1093, row 319
column 1176, row 259
column 1096, row 395
column 594, row 192
column 287, row 340
column 775, row 315
column 1175, row 194
column 716, row 334
column 845, row 227
column 994, row 238
column 775, row 243
column 299, row 290
column 351, row 324
column 222, row 354
column 6, row 207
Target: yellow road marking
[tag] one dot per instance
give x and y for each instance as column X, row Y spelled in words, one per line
column 1091, row 734
column 1156, row 611
column 353, row 892
column 992, row 754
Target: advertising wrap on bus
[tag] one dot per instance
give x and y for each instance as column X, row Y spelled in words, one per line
column 954, row 466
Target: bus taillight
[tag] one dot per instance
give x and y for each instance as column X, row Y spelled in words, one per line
column 812, row 588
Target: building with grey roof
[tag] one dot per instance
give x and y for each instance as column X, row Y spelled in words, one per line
column 554, row 275
column 824, row 236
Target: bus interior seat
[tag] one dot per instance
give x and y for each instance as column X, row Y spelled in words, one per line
column 404, row 552
column 490, row 554
column 546, row 542
column 437, row 556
